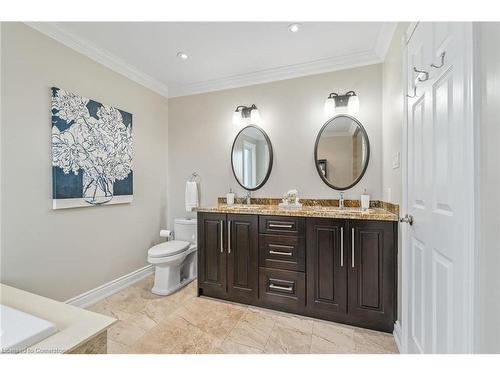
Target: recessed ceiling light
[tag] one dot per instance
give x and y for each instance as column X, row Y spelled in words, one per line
column 182, row 55
column 294, row 27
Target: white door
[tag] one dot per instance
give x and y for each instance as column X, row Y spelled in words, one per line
column 438, row 245
column 249, row 164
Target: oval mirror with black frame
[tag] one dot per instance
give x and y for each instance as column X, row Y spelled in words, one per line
column 252, row 157
column 342, row 152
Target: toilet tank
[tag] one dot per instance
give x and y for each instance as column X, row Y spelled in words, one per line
column 185, row 230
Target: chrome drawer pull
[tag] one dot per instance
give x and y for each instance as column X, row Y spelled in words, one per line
column 288, row 226
column 341, row 246
column 286, row 288
column 229, row 237
column 280, row 253
column 352, row 249
column 221, row 236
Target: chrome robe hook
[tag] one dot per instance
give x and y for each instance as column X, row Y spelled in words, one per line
column 442, row 61
column 421, row 72
column 414, row 93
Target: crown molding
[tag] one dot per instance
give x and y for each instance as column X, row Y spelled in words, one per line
column 103, row 57
column 384, row 39
column 87, row 48
column 277, row 74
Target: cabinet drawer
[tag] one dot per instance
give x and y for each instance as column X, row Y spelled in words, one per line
column 283, row 290
column 282, row 252
column 284, row 225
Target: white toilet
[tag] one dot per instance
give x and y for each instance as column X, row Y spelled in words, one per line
column 175, row 261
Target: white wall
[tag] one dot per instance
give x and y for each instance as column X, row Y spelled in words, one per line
column 201, row 135
column 488, row 58
column 63, row 253
column 393, row 115
column 392, row 127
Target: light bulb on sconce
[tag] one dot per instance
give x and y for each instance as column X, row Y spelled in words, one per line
column 349, row 101
column 329, row 107
column 246, row 115
column 255, row 116
column 353, row 105
column 237, row 117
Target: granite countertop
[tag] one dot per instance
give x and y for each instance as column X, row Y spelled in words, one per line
column 75, row 325
column 305, row 211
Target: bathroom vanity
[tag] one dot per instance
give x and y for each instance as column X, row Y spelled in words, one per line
column 324, row 262
column 326, row 259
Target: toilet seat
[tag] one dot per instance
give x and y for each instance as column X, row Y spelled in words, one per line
column 168, row 249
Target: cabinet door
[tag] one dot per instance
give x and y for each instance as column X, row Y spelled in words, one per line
column 326, row 268
column 212, row 255
column 372, row 274
column 242, row 253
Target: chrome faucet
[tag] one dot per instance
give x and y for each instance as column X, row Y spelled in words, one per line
column 248, row 197
column 341, row 200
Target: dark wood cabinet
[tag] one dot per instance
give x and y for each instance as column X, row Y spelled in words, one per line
column 282, row 278
column 285, row 225
column 282, row 252
column 212, row 260
column 282, row 290
column 327, row 268
column 342, row 270
column 242, row 254
column 228, row 256
column 372, row 274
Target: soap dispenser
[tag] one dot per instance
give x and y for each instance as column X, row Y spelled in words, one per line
column 230, row 197
column 365, row 201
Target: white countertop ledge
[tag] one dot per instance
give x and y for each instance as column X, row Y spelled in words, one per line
column 75, row 325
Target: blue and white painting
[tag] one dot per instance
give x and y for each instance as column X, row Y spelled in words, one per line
column 91, row 152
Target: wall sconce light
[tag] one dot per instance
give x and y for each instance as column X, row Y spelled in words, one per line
column 246, row 115
column 349, row 100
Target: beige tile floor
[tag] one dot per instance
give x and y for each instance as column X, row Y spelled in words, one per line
column 185, row 323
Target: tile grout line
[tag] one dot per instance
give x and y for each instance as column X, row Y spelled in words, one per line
column 232, row 328
column 312, row 334
column 178, row 303
column 269, row 337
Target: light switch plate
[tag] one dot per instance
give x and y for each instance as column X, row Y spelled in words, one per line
column 396, row 160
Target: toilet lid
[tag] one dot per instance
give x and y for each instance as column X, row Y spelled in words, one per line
column 168, row 248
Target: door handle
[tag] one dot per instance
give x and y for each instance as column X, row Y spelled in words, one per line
column 341, row 246
column 408, row 219
column 221, row 236
column 229, row 236
column 352, row 249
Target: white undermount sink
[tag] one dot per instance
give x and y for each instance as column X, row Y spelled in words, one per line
column 19, row 330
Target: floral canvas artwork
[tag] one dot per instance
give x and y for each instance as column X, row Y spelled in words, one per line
column 91, row 152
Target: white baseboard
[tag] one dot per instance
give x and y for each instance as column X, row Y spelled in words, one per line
column 397, row 333
column 95, row 295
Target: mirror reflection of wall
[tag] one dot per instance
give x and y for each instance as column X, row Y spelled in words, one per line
column 342, row 152
column 251, row 157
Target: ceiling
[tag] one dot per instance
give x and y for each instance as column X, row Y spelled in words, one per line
column 341, row 127
column 222, row 54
